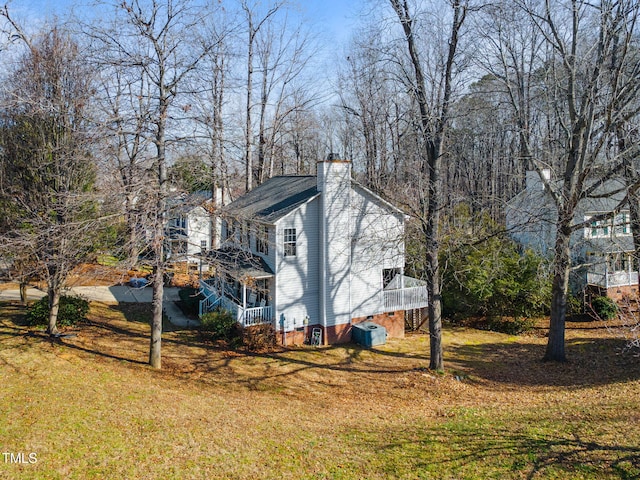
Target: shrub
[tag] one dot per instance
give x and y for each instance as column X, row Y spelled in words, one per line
column 575, row 306
column 220, row 325
column 493, row 278
column 604, row 308
column 71, row 311
column 190, row 300
column 259, row 337
column 510, row 327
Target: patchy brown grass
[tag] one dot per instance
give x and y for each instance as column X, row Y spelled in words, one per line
column 90, row 407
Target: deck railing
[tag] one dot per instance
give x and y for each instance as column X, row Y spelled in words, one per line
column 612, row 279
column 405, row 298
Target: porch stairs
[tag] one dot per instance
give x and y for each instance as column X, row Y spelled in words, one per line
column 245, row 316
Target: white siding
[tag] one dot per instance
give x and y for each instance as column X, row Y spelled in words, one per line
column 198, row 229
column 377, row 244
column 334, row 182
column 297, row 279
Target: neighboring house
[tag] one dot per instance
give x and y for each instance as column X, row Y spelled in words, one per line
column 191, row 227
column 602, row 252
column 313, row 253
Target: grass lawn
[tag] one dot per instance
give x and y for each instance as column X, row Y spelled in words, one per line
column 89, row 407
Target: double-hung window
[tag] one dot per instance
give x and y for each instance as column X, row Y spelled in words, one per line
column 598, row 229
column 622, row 224
column 290, row 239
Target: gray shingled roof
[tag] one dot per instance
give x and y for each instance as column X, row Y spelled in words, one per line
column 240, row 263
column 275, row 198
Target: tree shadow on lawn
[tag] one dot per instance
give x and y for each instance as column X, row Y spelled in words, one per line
column 462, row 446
column 591, row 361
column 142, row 313
column 123, row 336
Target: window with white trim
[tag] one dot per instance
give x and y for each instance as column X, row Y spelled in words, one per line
column 622, row 224
column 618, row 226
column 598, row 228
column 290, row 240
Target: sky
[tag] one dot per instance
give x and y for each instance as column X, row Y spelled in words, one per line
column 333, row 17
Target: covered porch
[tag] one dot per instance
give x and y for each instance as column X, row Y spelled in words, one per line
column 240, row 285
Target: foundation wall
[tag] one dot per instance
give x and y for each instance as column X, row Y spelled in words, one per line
column 618, row 294
column 393, row 322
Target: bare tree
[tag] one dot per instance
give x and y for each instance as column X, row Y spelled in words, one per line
column 126, row 104
column 434, row 121
column 283, row 57
column 585, row 101
column 159, row 41
column 254, row 25
column 50, row 217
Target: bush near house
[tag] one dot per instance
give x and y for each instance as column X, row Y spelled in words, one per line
column 487, row 275
column 71, row 311
column 259, row 337
column 220, row 325
column 190, row 300
column 514, row 326
column 604, row 308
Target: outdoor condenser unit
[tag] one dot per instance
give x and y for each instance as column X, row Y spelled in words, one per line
column 369, row 334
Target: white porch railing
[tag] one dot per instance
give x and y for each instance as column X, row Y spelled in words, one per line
column 245, row 317
column 255, row 315
column 614, row 279
column 206, row 288
column 405, row 298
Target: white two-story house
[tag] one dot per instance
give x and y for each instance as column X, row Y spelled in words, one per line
column 602, row 250
column 313, row 253
column 191, row 226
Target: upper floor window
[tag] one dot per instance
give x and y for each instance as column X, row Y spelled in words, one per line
column 290, row 239
column 262, row 239
column 178, row 225
column 599, row 229
column 622, row 224
column 619, row 226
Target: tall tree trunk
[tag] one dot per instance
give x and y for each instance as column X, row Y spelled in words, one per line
column 155, row 347
column 434, row 121
column 54, row 307
column 262, row 139
column 436, row 354
column 559, row 293
column 23, row 292
column 248, row 150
